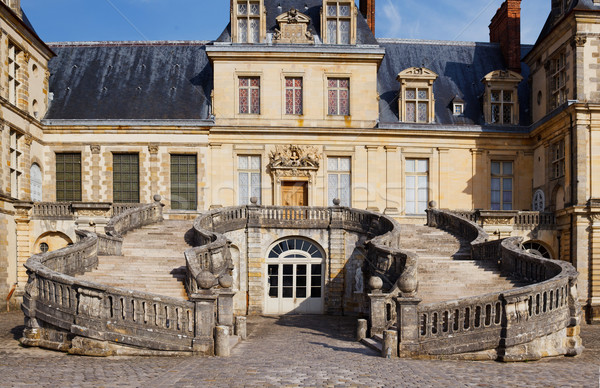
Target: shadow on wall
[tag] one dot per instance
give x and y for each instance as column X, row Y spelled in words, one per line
column 51, row 241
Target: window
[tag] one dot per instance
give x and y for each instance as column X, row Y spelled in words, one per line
column 558, row 77
column 44, row 247
column 249, row 178
column 249, row 95
column 502, row 185
column 417, row 105
column 558, row 159
column 338, row 181
column 293, row 96
column 13, row 72
column 417, row 185
column 15, row 159
column 126, row 178
column 416, row 100
column 502, row 105
column 183, row 182
column 338, row 96
column 458, row 109
column 35, row 180
column 248, row 21
column 339, row 22
column 68, row 177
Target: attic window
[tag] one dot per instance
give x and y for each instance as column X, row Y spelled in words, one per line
column 247, row 21
column 500, row 100
column 338, row 24
column 458, row 106
column 416, row 103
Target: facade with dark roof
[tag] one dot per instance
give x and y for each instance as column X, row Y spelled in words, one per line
column 388, row 125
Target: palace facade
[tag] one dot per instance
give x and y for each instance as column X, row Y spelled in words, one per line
column 297, row 103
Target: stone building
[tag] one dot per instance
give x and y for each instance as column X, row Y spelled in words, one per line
column 297, row 103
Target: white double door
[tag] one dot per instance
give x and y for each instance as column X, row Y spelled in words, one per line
column 294, row 285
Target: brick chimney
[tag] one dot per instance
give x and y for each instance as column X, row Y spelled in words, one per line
column 367, row 8
column 505, row 29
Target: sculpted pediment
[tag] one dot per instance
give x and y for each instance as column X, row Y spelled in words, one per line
column 417, row 73
column 503, row 76
column 293, row 28
column 294, row 157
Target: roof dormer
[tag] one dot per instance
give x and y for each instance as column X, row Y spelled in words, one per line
column 248, row 21
column 338, row 22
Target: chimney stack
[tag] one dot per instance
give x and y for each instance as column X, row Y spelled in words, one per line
column 505, row 29
column 367, row 8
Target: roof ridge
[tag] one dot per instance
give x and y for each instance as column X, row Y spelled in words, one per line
column 131, row 43
column 436, row 42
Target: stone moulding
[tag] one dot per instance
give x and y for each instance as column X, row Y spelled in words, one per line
column 526, row 323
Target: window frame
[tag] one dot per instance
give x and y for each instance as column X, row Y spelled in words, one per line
column 502, row 176
column 236, row 17
column 557, row 80
column 501, row 103
column 338, row 89
column 15, row 157
column 418, row 78
column 249, row 171
column 195, row 185
column 339, row 173
column 127, row 193
column 238, row 97
column 63, row 197
column 13, row 72
column 503, row 81
column 287, row 77
column 557, row 159
column 416, row 174
column 325, row 18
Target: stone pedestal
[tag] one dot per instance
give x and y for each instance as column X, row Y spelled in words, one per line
column 361, row 330
column 204, row 323
column 378, row 313
column 408, row 326
column 225, row 309
column 240, row 327
column 222, row 341
column 390, row 344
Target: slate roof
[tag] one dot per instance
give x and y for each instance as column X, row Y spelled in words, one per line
column 130, row 81
column 556, row 16
column 312, row 9
column 460, row 67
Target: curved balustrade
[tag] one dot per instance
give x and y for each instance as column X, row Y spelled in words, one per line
column 59, row 306
column 495, row 324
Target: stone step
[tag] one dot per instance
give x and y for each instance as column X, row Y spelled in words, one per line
column 373, row 344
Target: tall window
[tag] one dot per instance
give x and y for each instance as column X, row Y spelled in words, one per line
column 558, row 159
column 502, row 104
column 184, row 178
column 126, row 178
column 293, row 96
column 35, row 180
column 249, row 95
column 338, row 180
column 339, row 22
column 15, row 159
column 248, row 21
column 68, row 177
column 249, row 178
column 558, row 77
column 417, row 185
column 502, row 185
column 13, row 71
column 338, row 96
column 417, row 105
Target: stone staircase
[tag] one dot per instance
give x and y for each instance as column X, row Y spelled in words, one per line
column 446, row 271
column 152, row 261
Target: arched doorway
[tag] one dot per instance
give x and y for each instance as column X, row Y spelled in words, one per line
column 295, row 277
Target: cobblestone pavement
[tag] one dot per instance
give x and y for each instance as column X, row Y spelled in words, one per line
column 287, row 351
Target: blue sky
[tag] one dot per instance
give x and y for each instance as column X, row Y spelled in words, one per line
column 105, row 20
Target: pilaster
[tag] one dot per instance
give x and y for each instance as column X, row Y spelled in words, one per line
column 154, row 167
column 22, row 221
column 95, row 167
column 443, row 176
column 337, row 262
column 256, row 262
column 393, row 181
column 594, row 269
column 479, row 183
column 373, row 169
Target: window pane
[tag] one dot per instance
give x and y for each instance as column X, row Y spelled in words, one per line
column 344, row 164
column 332, row 31
column 411, row 94
column 183, row 182
column 496, row 184
column 243, row 162
column 332, row 164
column 507, row 168
column 243, row 30
column 344, row 10
column 344, row 32
column 411, row 114
column 255, row 163
column 422, row 165
column 410, row 165
column 423, row 112
column 254, row 30
column 332, row 188
column 496, row 168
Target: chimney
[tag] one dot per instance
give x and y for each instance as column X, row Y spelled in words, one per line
column 505, row 29
column 367, row 8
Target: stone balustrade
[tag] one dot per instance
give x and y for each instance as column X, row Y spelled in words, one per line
column 81, row 317
column 520, row 220
column 526, row 323
column 52, row 210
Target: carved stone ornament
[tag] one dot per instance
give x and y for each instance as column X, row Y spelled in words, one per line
column 26, row 57
column 28, row 140
column 499, row 220
column 153, row 149
column 95, row 148
column 579, row 40
column 91, row 213
column 293, row 28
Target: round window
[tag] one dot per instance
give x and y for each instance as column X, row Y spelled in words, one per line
column 536, row 249
column 44, row 247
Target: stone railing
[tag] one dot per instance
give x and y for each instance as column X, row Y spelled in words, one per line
column 120, row 208
column 69, row 314
column 525, row 323
column 393, row 269
column 52, row 210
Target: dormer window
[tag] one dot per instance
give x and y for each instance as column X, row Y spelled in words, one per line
column 416, row 100
column 458, row 106
column 247, row 21
column 339, row 22
column 501, row 104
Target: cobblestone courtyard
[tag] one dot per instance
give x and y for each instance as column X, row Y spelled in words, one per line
column 288, row 351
